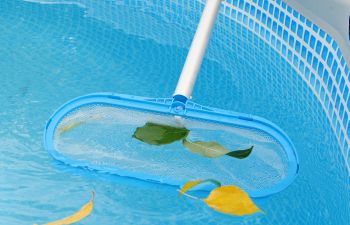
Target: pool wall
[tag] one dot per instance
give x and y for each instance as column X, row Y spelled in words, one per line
column 312, row 52
column 333, row 16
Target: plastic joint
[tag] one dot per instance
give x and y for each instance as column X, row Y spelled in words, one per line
column 178, row 105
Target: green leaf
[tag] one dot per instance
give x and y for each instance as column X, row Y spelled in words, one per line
column 241, row 154
column 159, row 134
column 212, row 149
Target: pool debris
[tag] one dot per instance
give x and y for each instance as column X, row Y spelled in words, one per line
column 161, row 134
column 211, row 149
column 83, row 212
column 228, row 199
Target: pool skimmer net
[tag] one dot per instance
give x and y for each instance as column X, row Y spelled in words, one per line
column 173, row 140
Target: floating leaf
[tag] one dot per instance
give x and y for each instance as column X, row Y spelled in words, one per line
column 82, row 213
column 190, row 184
column 231, row 200
column 159, row 134
column 241, row 154
column 225, row 199
column 212, row 149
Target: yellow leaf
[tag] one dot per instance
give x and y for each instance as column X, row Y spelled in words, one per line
column 231, row 200
column 190, row 184
column 65, row 129
column 72, row 124
column 82, row 213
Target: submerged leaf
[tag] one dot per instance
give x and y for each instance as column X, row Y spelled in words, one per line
column 241, row 154
column 208, row 149
column 190, row 184
column 82, row 213
column 74, row 123
column 159, row 134
column 69, row 127
column 231, row 200
column 211, row 149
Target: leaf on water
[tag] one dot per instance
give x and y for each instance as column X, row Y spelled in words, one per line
column 159, row 134
column 211, row 149
column 190, row 184
column 241, row 154
column 231, row 200
column 82, row 213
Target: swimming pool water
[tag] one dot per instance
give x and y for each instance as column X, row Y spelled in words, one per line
column 51, row 53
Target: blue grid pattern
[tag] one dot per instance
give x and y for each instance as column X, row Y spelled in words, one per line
column 310, row 51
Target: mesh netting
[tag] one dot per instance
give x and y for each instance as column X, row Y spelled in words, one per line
column 101, row 136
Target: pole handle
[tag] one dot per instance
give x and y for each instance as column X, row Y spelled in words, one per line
column 195, row 56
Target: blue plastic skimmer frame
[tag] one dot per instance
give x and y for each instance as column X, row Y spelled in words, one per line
column 179, row 105
column 169, row 106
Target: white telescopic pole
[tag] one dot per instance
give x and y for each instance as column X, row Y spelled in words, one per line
column 199, row 44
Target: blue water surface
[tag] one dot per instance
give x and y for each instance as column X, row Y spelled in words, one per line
column 51, row 53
